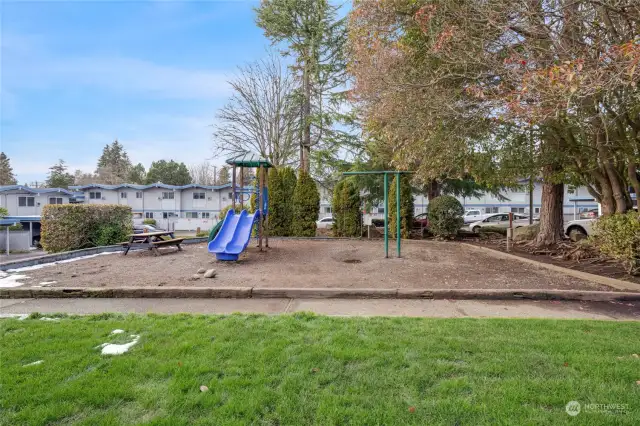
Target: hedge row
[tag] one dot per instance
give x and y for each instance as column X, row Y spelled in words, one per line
column 75, row 226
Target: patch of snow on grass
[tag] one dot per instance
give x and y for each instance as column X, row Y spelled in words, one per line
column 113, row 349
column 34, row 363
column 117, row 331
column 49, row 319
column 42, row 265
column 19, row 317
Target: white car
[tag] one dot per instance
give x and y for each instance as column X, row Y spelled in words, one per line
column 473, row 215
column 325, row 223
column 579, row 229
column 500, row 220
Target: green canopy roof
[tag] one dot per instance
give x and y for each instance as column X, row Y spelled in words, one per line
column 249, row 159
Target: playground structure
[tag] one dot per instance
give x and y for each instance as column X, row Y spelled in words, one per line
column 386, row 174
column 234, row 232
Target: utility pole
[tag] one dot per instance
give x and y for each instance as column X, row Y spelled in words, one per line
column 215, row 175
column 531, row 178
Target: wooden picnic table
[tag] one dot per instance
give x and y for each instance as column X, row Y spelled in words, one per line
column 151, row 241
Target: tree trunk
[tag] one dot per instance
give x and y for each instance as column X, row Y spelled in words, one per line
column 305, row 149
column 551, row 214
column 433, row 190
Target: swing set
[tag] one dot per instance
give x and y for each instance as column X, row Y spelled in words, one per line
column 386, row 174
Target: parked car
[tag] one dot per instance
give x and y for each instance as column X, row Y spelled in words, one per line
column 501, row 220
column 589, row 214
column 579, row 229
column 421, row 221
column 473, row 215
column 325, row 223
column 144, row 228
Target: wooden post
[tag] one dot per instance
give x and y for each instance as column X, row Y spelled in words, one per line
column 259, row 204
column 241, row 187
column 233, row 189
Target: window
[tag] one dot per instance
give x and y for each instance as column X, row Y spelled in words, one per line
column 148, row 215
column 517, row 209
column 191, row 215
column 138, row 194
column 198, row 195
column 95, row 195
column 230, row 195
column 167, row 195
column 26, row 201
column 123, row 195
column 327, row 209
column 55, row 200
column 206, row 215
column 380, row 209
column 137, row 215
column 536, row 210
column 472, row 213
column 167, row 215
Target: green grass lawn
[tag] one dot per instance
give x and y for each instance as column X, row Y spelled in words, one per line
column 304, row 369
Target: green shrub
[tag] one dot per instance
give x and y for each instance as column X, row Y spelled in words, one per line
column 223, row 212
column 149, row 222
column 492, row 230
column 3, row 212
column 336, row 208
column 75, row 226
column 346, row 210
column 406, row 207
column 306, row 206
column 618, row 236
column 288, row 181
column 277, row 219
column 202, row 233
column 16, row 227
column 445, row 216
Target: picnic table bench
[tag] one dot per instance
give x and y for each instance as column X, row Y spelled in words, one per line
column 151, row 241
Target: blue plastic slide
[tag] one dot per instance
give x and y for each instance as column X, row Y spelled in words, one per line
column 234, row 235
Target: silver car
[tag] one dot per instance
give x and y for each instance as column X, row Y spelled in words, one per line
column 500, row 220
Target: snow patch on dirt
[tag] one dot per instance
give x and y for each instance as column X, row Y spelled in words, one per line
column 42, row 265
column 9, row 280
column 34, row 363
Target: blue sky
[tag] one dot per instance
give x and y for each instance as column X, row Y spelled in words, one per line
column 75, row 75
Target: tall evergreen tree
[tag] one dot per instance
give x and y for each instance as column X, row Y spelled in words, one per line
column 168, row 172
column 277, row 204
column 114, row 164
column 306, row 206
column 6, row 171
column 224, row 176
column 314, row 36
column 59, row 177
column 137, row 174
column 289, row 182
column 406, row 207
column 337, row 208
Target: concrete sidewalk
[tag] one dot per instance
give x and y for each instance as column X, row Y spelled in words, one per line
column 341, row 307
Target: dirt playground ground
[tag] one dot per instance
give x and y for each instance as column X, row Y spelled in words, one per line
column 290, row 263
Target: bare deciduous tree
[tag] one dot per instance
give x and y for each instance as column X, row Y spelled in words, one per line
column 203, row 173
column 261, row 115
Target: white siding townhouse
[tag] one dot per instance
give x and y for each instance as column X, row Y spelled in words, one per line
column 21, row 200
column 185, row 207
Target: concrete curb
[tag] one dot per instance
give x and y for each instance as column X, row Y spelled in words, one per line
column 598, row 279
column 56, row 257
column 312, row 293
